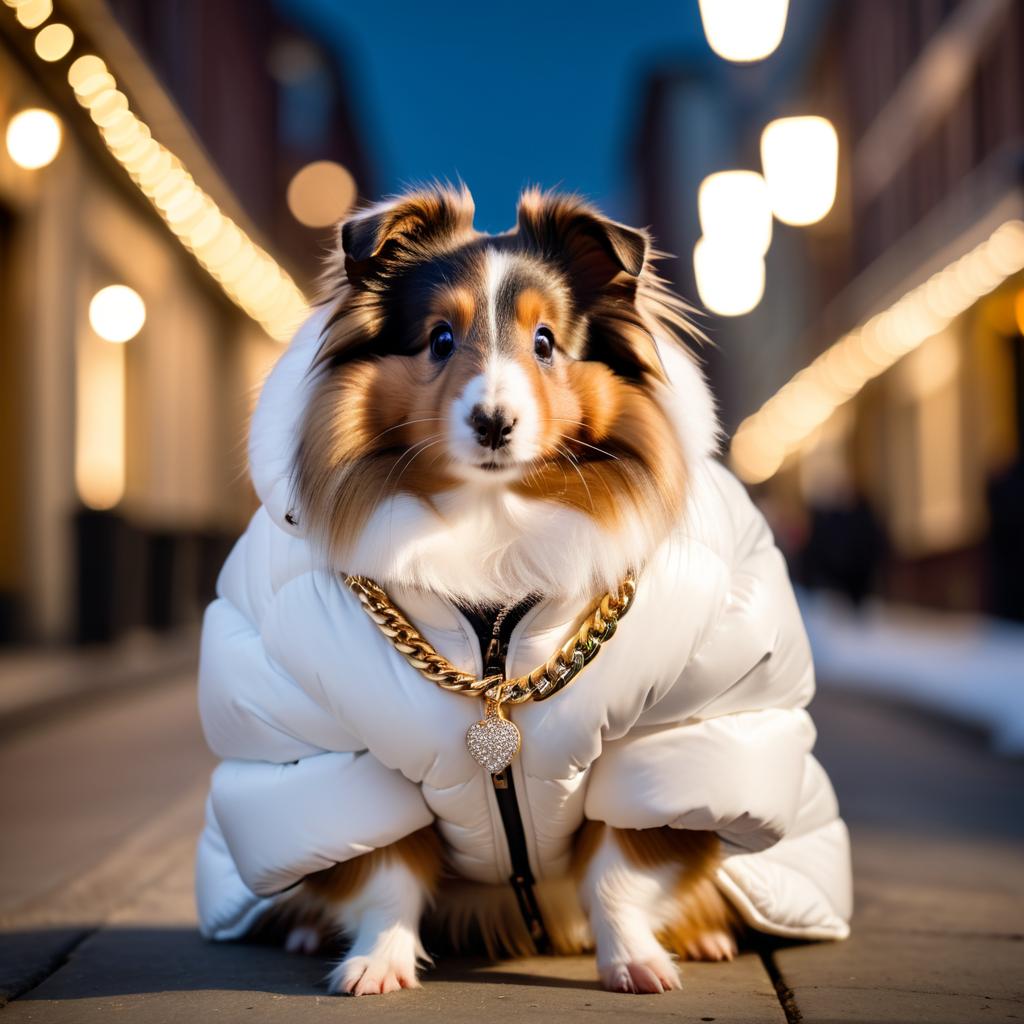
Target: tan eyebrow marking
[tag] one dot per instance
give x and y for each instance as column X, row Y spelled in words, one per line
column 456, row 304
column 530, row 307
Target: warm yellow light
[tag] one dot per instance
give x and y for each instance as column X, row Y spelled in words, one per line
column 117, row 313
column 800, row 159
column 84, row 68
column 54, row 42
column 100, row 423
column 756, row 453
column 92, row 88
column 788, row 421
column 734, row 210
column 730, row 281
column 744, row 30
column 33, row 13
column 246, row 273
column 321, row 194
column 33, row 138
column 107, row 106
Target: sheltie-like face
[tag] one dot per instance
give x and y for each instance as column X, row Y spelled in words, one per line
column 521, row 362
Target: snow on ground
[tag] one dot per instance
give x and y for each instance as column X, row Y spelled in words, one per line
column 967, row 667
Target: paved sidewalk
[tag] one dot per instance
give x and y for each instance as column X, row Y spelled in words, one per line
column 104, row 926
column 37, row 682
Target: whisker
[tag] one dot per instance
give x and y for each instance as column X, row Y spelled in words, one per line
column 408, row 465
column 586, row 486
column 414, row 451
column 568, row 454
column 431, row 439
column 586, row 444
column 406, row 423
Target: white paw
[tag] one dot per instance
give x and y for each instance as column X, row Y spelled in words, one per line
column 373, row 975
column 648, row 976
column 303, row 938
column 716, row 945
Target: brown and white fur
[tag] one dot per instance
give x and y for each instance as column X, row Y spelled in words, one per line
column 507, row 387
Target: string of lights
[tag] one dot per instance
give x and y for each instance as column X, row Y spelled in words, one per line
column 789, row 419
column 247, row 273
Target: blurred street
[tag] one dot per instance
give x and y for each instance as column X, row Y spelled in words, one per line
column 97, row 914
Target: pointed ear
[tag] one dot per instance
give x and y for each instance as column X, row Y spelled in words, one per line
column 592, row 249
column 402, row 231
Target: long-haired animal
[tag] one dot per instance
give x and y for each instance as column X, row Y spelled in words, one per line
column 514, row 373
column 499, row 430
column 511, row 368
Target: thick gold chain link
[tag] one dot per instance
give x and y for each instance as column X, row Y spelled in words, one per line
column 543, row 682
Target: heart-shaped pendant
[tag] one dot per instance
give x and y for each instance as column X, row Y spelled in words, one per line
column 493, row 742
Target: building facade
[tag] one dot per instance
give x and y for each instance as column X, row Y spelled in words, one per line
column 933, row 130
column 123, row 465
column 880, row 378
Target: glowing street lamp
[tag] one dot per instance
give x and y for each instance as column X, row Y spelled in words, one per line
column 800, row 160
column 734, row 209
column 744, row 30
column 33, row 138
column 117, row 313
column 730, row 280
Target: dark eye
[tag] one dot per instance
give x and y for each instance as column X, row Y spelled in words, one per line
column 543, row 344
column 442, row 341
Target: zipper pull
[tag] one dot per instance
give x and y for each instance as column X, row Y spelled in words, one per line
column 492, row 659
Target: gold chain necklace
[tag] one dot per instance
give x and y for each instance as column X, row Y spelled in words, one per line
column 495, row 740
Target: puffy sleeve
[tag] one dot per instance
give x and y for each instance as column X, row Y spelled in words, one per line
column 756, row 655
column 249, row 705
column 323, row 810
column 739, row 775
column 297, row 790
column 727, row 747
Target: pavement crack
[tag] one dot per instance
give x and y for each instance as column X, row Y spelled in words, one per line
column 786, row 996
column 48, row 969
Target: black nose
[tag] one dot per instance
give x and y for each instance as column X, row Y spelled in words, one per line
column 492, row 427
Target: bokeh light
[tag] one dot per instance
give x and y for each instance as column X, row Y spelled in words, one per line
column 33, row 138
column 321, row 194
column 800, row 159
column 32, row 13
column 248, row 275
column 54, row 41
column 730, row 281
column 744, row 30
column 117, row 313
column 100, row 415
column 787, row 421
column 734, row 209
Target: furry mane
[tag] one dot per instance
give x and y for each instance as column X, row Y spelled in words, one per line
column 607, row 467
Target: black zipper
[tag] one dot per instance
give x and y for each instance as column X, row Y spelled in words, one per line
column 493, row 628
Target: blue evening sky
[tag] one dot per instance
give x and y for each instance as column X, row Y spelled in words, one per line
column 503, row 95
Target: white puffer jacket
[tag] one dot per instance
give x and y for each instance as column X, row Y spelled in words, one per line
column 693, row 716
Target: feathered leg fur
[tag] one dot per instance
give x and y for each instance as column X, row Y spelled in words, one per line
column 377, row 901
column 650, row 897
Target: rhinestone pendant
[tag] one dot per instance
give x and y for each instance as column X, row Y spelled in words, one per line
column 494, row 740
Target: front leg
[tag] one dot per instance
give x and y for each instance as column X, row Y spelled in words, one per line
column 637, row 886
column 626, row 905
column 377, row 900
